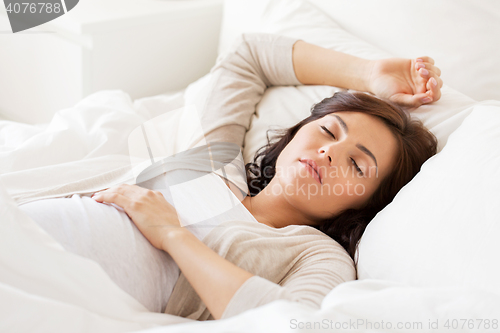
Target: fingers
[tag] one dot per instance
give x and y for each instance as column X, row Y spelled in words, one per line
column 125, row 189
column 422, row 72
column 121, row 195
column 432, row 86
column 112, row 197
column 427, row 82
column 425, row 59
column 416, row 100
column 434, row 89
column 408, row 99
column 438, row 80
column 432, row 94
column 131, row 198
column 426, row 68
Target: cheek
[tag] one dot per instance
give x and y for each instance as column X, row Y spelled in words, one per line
column 323, row 201
column 347, row 194
column 285, row 156
column 284, row 167
column 345, row 190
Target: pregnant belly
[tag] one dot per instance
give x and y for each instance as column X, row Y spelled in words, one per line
column 106, row 235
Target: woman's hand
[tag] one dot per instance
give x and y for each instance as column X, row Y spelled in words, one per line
column 149, row 210
column 215, row 279
column 406, row 82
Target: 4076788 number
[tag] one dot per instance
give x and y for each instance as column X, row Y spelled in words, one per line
column 472, row 324
column 34, row 7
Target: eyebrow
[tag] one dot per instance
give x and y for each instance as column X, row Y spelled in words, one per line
column 369, row 153
column 359, row 146
column 342, row 123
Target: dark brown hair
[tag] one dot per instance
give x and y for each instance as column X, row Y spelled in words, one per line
column 415, row 144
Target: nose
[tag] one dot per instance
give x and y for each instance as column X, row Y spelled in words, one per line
column 323, row 152
column 326, row 152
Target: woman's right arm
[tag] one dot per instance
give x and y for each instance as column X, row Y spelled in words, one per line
column 258, row 61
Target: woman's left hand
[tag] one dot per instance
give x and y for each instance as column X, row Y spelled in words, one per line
column 215, row 279
column 149, row 210
column 407, row 82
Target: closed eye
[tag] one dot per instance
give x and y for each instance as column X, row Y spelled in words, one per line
column 357, row 167
column 327, row 131
column 352, row 160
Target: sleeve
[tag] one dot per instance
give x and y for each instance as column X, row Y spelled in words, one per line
column 238, row 81
column 308, row 284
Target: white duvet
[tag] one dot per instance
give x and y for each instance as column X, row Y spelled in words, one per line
column 43, row 288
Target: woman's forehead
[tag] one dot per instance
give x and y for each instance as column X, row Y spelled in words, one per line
column 346, row 118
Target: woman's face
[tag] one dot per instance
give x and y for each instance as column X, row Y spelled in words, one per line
column 335, row 163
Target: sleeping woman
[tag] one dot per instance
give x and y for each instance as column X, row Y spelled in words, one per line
column 300, row 207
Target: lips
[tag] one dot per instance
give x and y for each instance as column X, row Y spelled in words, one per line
column 314, row 167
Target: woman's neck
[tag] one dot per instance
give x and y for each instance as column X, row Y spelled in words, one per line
column 274, row 210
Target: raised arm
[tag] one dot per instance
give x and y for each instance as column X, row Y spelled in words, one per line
column 407, row 82
column 258, row 61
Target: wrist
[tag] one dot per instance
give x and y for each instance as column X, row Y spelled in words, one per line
column 354, row 73
column 173, row 236
column 368, row 72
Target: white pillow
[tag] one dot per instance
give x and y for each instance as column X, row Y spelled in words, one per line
column 442, row 229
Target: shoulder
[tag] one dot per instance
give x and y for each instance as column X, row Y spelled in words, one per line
column 227, row 162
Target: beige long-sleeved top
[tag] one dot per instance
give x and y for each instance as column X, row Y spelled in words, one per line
column 296, row 263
